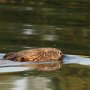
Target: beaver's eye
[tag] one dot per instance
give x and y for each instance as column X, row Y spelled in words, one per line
column 60, row 53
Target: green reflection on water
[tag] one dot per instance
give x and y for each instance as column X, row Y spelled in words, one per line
column 71, row 39
column 70, row 77
column 45, row 24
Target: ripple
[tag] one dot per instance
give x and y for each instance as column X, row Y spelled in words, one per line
column 71, row 59
column 68, row 59
column 12, row 66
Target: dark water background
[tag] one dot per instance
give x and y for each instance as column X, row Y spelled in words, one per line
column 64, row 24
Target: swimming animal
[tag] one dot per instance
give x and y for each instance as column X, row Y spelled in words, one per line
column 38, row 55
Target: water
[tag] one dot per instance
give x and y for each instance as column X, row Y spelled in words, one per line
column 52, row 23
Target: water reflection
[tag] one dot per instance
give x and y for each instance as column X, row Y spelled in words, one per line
column 6, row 82
column 24, row 83
column 12, row 82
column 28, row 32
column 49, row 37
column 20, row 84
column 73, row 18
column 39, row 83
column 72, row 40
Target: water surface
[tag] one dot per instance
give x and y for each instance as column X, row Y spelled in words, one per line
column 62, row 24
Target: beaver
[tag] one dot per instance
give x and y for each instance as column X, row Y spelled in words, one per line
column 38, row 55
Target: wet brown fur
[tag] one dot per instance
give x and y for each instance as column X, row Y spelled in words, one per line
column 38, row 54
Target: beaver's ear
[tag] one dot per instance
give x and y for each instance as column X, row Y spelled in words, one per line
column 23, row 59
